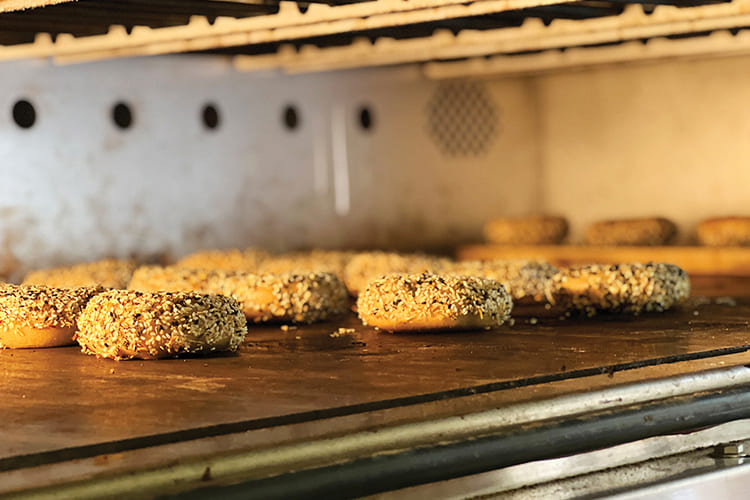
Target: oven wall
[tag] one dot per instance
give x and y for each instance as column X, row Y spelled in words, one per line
column 76, row 187
column 669, row 138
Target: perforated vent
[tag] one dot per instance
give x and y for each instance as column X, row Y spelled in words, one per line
column 462, row 119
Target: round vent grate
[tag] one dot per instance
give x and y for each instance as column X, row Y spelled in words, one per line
column 462, row 119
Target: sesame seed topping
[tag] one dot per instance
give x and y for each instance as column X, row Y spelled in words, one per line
column 38, row 306
column 367, row 266
column 623, row 288
column 532, row 230
column 224, row 260
column 525, row 280
column 430, row 301
column 326, row 261
column 125, row 324
column 110, row 273
column 643, row 231
column 297, row 298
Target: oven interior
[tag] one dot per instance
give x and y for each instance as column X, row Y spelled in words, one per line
column 153, row 129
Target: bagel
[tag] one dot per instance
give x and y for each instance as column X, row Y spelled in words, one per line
column 649, row 231
column 126, row 324
column 367, row 266
column 619, row 288
column 428, row 302
column 533, row 230
column 109, row 273
column 724, row 231
column 40, row 316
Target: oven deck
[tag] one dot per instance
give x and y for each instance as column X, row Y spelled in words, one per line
column 60, row 406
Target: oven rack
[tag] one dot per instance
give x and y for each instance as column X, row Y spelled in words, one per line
column 286, row 34
column 534, row 46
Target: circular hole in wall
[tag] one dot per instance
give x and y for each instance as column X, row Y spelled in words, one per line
column 24, row 113
column 366, row 118
column 210, row 115
column 122, row 116
column 291, row 117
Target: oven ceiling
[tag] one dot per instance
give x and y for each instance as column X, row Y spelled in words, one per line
column 338, row 34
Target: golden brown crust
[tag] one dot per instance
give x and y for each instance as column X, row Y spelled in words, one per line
column 532, row 230
column 724, row 231
column 225, row 260
column 619, row 288
column 125, row 324
column 313, row 261
column 173, row 279
column 648, row 231
column 424, row 302
column 292, row 297
column 525, row 280
column 110, row 273
column 40, row 316
column 26, row 337
column 367, row 266
column 296, row 298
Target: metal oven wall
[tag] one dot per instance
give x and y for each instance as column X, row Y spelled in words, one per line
column 74, row 186
column 668, row 138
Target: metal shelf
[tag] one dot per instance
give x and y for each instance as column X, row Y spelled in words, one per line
column 95, row 29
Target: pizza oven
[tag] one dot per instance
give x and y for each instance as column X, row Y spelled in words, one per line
column 152, row 129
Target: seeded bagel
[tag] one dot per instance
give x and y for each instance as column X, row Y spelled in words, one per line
column 427, row 302
column 313, row 261
column 173, row 279
column 292, row 297
column 525, row 280
column 649, row 231
column 619, row 288
column 110, row 273
column 367, row 266
column 40, row 316
column 126, row 324
column 724, row 231
column 533, row 230
column 225, row 260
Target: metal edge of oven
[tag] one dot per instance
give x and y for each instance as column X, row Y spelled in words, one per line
column 640, row 419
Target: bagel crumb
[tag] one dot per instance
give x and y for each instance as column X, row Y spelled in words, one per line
column 725, row 301
column 341, row 332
